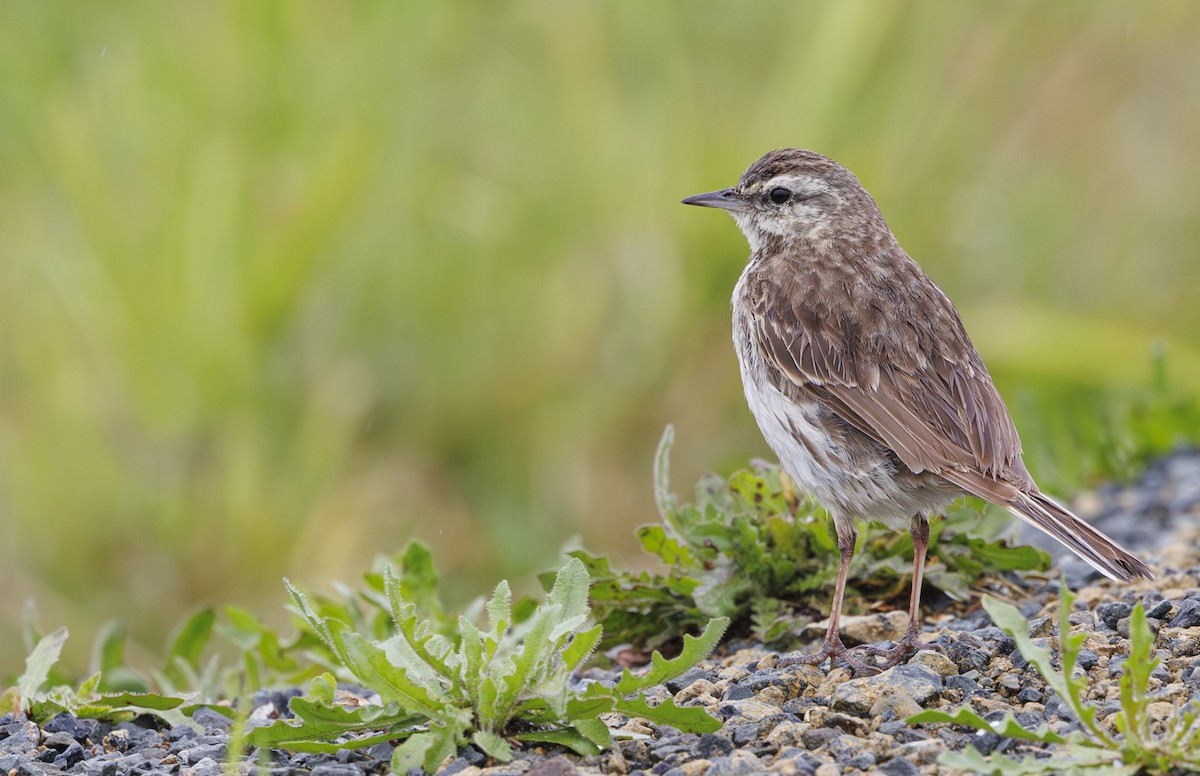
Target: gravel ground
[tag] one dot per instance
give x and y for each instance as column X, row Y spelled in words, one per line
column 798, row 720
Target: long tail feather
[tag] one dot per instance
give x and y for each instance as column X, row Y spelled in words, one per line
column 1102, row 553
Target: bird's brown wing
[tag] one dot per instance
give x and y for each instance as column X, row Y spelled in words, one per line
column 915, row 383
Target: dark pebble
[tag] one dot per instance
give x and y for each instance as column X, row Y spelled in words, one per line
column 968, row 654
column 1087, row 659
column 382, row 752
column 104, row 765
column 862, row 762
column 713, row 745
column 79, row 729
column 845, row 750
column 207, row 767
column 1030, row 695
column 737, row 692
column 195, row 754
column 1157, row 611
column 762, row 680
column 70, row 756
column 965, row 684
column 343, row 770
column 744, row 734
column 1188, row 615
column 1002, row 643
column 817, row 737
column 1040, row 626
column 806, row 764
column 1111, row 612
column 898, row 766
column 686, row 679
column 475, row 756
column 211, row 721
column 182, row 733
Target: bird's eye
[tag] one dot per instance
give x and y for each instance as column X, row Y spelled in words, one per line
column 779, row 195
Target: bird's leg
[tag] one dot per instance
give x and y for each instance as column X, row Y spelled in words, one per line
column 909, row 643
column 833, row 647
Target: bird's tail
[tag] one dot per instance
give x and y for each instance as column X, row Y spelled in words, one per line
column 1101, row 553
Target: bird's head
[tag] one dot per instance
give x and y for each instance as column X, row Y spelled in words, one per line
column 792, row 194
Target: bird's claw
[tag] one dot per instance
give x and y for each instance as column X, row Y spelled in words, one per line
column 832, row 649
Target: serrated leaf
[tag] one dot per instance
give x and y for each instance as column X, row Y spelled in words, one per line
column 137, row 700
column 654, row 540
column 570, row 590
column 969, row 760
column 415, row 647
column 39, row 663
column 371, row 666
column 689, row 719
column 695, row 649
column 580, row 648
column 419, row 579
column 499, row 610
column 1007, row 726
column 323, row 688
column 317, row 725
column 1133, row 719
column 566, row 627
column 1008, row 618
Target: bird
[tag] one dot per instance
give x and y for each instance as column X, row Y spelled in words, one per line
column 864, row 383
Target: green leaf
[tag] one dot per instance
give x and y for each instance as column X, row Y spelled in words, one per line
column 419, row 580
column 39, row 663
column 663, row 497
column 411, row 754
column 580, row 649
column 1070, row 689
column 142, row 701
column 108, row 648
column 570, row 591
column 10, row 701
column 695, row 649
column 567, row 737
column 499, row 610
column 1084, row 761
column 688, row 719
column 1133, row 719
column 1007, row 726
column 492, row 745
column 323, row 688
column 371, row 666
column 192, row 638
column 319, row 724
column 594, row 730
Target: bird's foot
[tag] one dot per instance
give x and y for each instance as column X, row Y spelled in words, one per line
column 909, row 644
column 832, row 649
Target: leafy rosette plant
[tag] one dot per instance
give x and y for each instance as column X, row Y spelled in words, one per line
column 494, row 686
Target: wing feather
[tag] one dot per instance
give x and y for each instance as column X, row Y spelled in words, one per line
column 914, row 384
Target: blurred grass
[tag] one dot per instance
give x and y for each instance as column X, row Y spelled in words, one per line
column 283, row 285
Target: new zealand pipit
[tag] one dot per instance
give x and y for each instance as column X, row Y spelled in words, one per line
column 863, row 380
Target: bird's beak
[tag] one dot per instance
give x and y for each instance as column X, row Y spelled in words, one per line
column 726, row 199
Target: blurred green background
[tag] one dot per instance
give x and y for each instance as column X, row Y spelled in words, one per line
column 283, row 285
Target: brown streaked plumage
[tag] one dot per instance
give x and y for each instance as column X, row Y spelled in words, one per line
column 864, row 381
